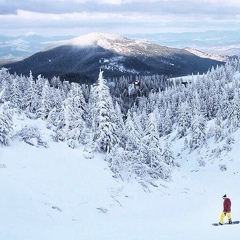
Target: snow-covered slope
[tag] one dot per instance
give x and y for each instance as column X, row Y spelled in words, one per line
column 59, row 193
column 207, row 55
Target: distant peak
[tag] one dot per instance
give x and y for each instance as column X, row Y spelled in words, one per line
column 97, row 35
column 94, row 38
column 112, row 42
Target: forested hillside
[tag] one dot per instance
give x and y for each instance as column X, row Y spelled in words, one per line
column 136, row 133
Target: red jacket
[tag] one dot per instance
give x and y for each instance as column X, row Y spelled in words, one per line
column 227, row 205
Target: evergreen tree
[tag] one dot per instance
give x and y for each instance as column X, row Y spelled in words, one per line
column 6, row 126
column 76, row 115
column 224, row 104
column 218, row 128
column 46, row 101
column 61, row 123
column 39, row 84
column 29, row 97
column 132, row 134
column 234, row 112
column 151, row 151
column 198, row 131
column 167, row 126
column 103, row 116
column 16, row 97
column 167, row 154
column 183, row 121
column 6, row 84
column 51, row 119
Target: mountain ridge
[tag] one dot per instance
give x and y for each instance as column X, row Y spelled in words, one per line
column 207, row 55
column 117, row 55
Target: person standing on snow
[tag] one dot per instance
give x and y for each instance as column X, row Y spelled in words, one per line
column 226, row 210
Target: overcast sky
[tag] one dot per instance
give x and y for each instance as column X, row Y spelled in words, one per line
column 77, row 17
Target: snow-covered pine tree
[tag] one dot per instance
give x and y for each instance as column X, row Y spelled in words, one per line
column 160, row 109
column 16, row 96
column 55, row 118
column 234, row 112
column 45, row 102
column 39, row 84
column 58, row 97
column 151, row 151
column 52, row 117
column 131, row 143
column 23, row 88
column 5, row 84
column 167, row 154
column 218, row 128
column 103, row 116
column 76, row 106
column 167, row 126
column 61, row 123
column 198, row 131
column 211, row 101
column 184, row 120
column 6, row 125
column 56, row 82
column 224, row 103
column 29, row 96
column 132, row 134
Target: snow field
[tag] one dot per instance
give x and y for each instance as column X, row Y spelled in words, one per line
column 56, row 193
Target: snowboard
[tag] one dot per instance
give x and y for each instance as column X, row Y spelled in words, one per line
column 234, row 222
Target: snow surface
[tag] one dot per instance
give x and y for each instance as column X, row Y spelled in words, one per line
column 56, row 193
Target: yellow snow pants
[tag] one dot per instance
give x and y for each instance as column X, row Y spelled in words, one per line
column 223, row 215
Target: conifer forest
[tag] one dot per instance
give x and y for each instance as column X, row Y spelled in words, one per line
column 134, row 128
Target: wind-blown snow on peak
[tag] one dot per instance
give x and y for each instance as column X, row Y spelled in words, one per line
column 94, row 39
column 113, row 42
column 100, row 39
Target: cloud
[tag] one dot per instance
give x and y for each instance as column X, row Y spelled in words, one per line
column 156, row 6
column 118, row 15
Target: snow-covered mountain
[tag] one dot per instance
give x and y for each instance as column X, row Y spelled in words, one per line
column 212, row 42
column 83, row 56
